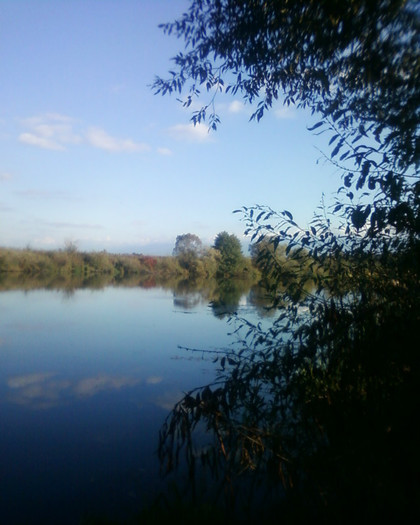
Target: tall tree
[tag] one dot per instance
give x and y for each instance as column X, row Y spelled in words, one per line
column 188, row 248
column 187, row 243
column 230, row 250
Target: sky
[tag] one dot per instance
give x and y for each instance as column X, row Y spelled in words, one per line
column 90, row 155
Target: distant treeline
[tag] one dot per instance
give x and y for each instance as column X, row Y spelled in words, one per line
column 28, row 263
column 190, row 261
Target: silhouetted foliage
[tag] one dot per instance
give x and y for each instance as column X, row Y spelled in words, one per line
column 323, row 402
column 353, row 63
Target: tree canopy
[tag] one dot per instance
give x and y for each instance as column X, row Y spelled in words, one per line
column 187, row 244
column 355, row 63
column 348, row 60
column 188, row 248
column 230, row 250
column 323, row 400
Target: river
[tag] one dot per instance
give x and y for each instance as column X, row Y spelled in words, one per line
column 87, row 378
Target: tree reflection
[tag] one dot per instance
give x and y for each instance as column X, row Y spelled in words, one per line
column 315, row 414
column 224, row 296
column 229, row 294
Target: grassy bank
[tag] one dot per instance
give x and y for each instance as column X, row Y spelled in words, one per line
column 70, row 268
column 64, row 263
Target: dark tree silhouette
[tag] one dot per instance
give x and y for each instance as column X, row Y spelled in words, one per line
column 323, row 402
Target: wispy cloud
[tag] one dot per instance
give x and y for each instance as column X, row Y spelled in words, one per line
column 53, row 131
column 50, row 131
column 5, row 176
column 42, row 142
column 98, row 138
column 44, row 194
column 190, row 133
column 236, row 107
column 164, row 151
column 72, row 225
column 285, row 112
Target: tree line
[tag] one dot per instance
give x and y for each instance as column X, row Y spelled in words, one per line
column 190, row 260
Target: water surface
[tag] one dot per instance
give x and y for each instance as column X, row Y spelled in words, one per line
column 86, row 380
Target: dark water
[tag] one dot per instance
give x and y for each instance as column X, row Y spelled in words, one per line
column 86, row 380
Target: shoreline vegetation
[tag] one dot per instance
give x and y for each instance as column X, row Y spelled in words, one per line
column 190, row 262
column 31, row 268
column 193, row 276
column 269, row 267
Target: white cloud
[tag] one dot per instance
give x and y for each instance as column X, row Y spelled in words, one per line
column 164, row 151
column 41, row 142
column 98, row 138
column 6, row 176
column 236, row 107
column 191, row 133
column 54, row 132
column 285, row 112
column 50, row 131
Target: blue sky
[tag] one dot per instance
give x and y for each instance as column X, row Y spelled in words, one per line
column 89, row 154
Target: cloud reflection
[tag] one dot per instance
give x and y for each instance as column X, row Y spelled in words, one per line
column 154, row 380
column 39, row 391
column 28, row 379
column 167, row 400
column 45, row 390
column 92, row 385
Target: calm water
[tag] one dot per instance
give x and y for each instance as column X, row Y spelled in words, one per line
column 86, row 380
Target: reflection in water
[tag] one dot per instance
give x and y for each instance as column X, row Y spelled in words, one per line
column 153, row 380
column 38, row 391
column 187, row 301
column 167, row 400
column 85, row 386
column 224, row 297
column 29, row 379
column 46, row 390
